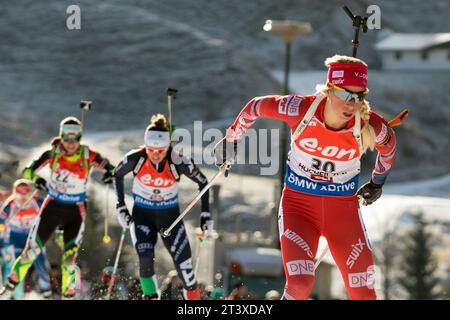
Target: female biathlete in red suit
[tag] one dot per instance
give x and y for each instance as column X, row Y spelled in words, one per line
column 329, row 133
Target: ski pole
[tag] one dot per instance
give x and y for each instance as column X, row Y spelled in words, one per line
column 222, row 169
column 84, row 105
column 106, row 237
column 171, row 94
column 223, row 142
column 116, row 263
column 30, row 235
column 319, row 259
column 201, row 238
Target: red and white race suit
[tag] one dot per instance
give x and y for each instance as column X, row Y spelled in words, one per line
column 319, row 196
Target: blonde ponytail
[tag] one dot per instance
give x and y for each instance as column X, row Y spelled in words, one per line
column 367, row 131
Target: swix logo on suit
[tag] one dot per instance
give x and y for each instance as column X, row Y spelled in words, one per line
column 323, row 161
column 153, row 189
column 356, row 251
column 68, row 181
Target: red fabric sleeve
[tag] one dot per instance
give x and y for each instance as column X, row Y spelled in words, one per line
column 97, row 160
column 284, row 108
column 386, row 147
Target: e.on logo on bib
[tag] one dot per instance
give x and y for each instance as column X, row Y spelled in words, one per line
column 157, row 182
column 312, row 146
column 146, row 179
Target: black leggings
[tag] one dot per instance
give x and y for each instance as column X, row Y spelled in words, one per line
column 70, row 217
column 144, row 232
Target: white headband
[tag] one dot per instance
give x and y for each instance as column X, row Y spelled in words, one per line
column 70, row 129
column 157, row 139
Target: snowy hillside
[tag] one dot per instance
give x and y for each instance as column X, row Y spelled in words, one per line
column 128, row 52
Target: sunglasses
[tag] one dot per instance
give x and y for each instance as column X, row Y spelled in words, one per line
column 347, row 95
column 156, row 150
column 71, row 138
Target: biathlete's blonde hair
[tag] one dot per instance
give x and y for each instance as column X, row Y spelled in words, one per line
column 367, row 132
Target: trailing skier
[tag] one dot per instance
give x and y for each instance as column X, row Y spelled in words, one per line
column 70, row 163
column 157, row 170
column 17, row 215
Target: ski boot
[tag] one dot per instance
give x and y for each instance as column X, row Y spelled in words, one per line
column 8, row 288
column 47, row 294
column 150, row 297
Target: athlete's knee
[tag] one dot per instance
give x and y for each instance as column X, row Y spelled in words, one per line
column 298, row 288
column 146, row 265
column 144, row 249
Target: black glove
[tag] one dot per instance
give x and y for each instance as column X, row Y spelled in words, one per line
column 107, row 178
column 41, row 184
column 370, row 192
